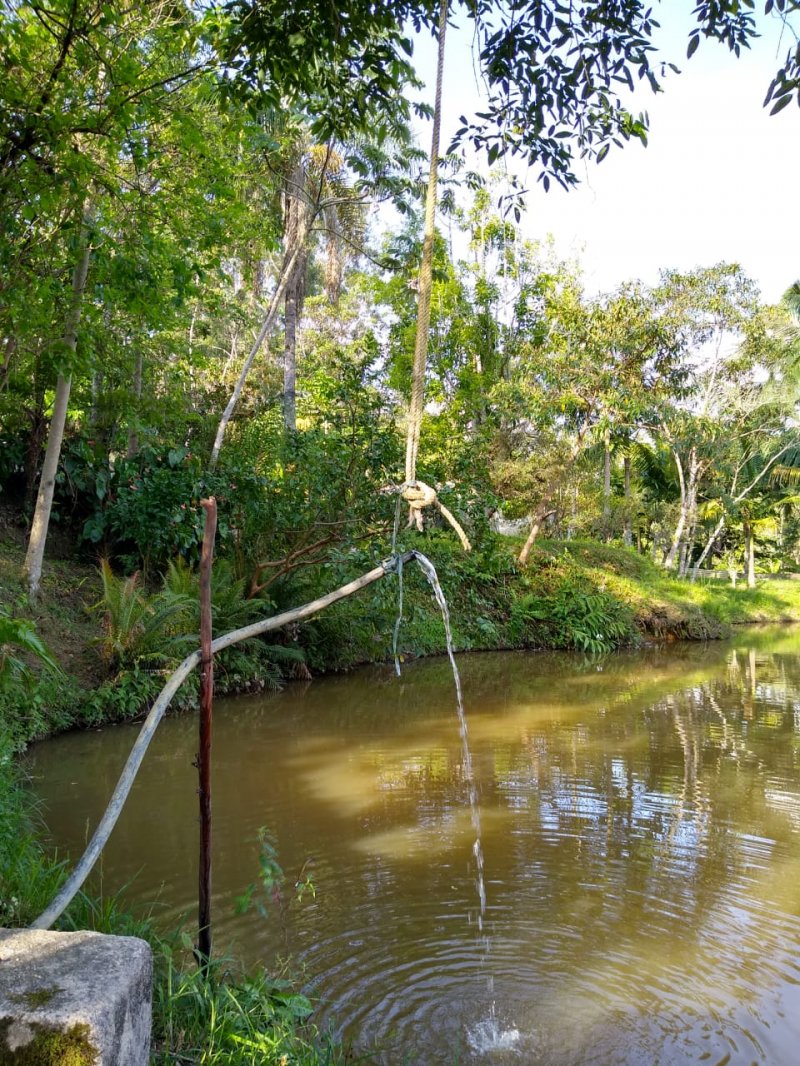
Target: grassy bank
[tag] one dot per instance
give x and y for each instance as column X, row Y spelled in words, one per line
column 582, row 594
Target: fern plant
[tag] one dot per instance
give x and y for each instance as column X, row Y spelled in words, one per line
column 19, row 636
column 248, row 666
column 139, row 626
column 230, row 606
column 569, row 613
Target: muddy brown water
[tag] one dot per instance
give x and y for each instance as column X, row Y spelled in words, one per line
column 641, row 829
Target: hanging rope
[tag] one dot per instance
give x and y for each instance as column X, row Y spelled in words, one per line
column 426, row 269
column 417, row 494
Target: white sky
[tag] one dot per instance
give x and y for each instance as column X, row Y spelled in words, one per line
column 720, row 179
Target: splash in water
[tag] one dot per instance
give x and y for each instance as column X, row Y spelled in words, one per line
column 490, row 1035
column 466, row 755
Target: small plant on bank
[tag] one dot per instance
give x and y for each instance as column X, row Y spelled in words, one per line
column 137, row 625
column 567, row 612
column 18, row 637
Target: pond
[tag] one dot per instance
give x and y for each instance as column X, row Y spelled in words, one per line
column 640, row 819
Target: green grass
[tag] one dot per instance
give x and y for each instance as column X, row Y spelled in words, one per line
column 667, row 606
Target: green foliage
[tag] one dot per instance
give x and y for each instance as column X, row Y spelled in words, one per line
column 269, row 891
column 230, row 606
column 146, row 509
column 223, row 1018
column 138, row 626
column 567, row 612
column 127, row 694
column 28, row 879
column 18, row 635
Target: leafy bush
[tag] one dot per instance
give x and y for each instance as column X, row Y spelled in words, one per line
column 19, row 636
column 567, row 611
column 145, row 509
column 139, row 626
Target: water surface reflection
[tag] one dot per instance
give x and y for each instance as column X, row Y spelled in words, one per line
column 640, row 827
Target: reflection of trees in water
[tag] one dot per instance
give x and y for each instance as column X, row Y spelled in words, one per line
column 657, row 805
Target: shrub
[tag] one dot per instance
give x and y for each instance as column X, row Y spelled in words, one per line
column 139, row 626
column 567, row 611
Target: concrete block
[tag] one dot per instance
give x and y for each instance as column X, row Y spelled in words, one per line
column 74, row 999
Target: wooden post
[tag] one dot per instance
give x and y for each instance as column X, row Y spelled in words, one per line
column 204, row 755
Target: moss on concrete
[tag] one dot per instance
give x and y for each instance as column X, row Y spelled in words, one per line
column 38, row 997
column 46, row 1045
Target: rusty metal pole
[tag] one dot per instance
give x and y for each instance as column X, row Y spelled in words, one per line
column 204, row 755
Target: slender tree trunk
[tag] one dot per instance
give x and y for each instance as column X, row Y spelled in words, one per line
column 606, row 481
column 684, row 559
column 290, row 361
column 287, row 272
column 32, row 568
column 627, row 532
column 688, row 541
column 750, row 555
column 297, row 209
column 707, row 547
column 536, row 524
column 688, row 496
column 133, row 432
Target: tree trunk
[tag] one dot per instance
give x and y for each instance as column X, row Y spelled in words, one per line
column 688, row 542
column 290, row 361
column 286, row 275
column 32, row 568
column 627, row 532
column 133, row 432
column 672, row 554
column 750, row 555
column 707, row 548
column 297, row 209
column 606, row 480
column 536, row 524
column 688, row 504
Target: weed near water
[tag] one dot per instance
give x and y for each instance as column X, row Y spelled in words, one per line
column 224, row 1017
